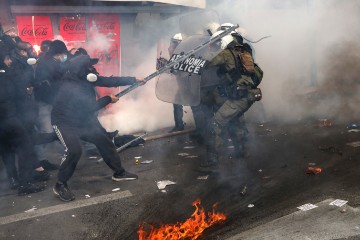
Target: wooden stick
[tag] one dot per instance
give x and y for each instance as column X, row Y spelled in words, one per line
column 169, row 134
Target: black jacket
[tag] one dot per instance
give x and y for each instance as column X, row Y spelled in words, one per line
column 49, row 73
column 7, row 96
column 76, row 104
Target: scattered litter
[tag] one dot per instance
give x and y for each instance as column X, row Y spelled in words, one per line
column 307, row 207
column 31, row 209
column 260, row 170
column 230, row 147
column 311, row 170
column 137, row 161
column 203, row 177
column 354, row 130
column 261, row 125
column 192, row 156
column 147, row 161
column 73, row 216
column 92, row 157
column 251, row 205
column 189, row 147
column 324, row 122
column 87, row 196
column 13, row 204
column 163, row 191
column 229, row 140
column 354, row 144
column 243, row 191
column 266, row 177
column 330, row 149
column 268, row 130
column 115, row 189
column 343, row 210
column 164, row 183
column 312, row 164
column 183, row 154
column 29, row 196
column 138, row 157
column 338, row 203
column 275, row 140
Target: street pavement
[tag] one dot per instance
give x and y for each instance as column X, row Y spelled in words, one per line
column 273, row 176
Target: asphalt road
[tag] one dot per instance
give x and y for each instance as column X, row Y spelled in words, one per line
column 274, row 176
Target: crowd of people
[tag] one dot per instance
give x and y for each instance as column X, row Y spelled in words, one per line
column 51, row 97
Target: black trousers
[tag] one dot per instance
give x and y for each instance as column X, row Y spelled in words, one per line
column 70, row 137
column 178, row 115
column 15, row 139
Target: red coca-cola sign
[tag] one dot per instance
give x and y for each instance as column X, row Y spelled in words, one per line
column 39, row 31
column 73, row 29
column 34, row 29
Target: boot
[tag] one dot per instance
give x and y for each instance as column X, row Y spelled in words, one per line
column 29, row 188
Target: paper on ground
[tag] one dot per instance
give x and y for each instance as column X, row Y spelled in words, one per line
column 203, row 177
column 189, row 147
column 183, row 154
column 31, row 209
column 307, row 207
column 164, row 183
column 338, row 202
column 354, row 144
column 147, row 161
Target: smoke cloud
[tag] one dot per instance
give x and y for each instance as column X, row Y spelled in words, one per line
column 309, row 62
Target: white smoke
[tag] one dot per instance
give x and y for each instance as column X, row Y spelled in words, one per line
column 295, row 59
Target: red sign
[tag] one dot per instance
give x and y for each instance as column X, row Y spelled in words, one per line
column 73, row 29
column 34, row 29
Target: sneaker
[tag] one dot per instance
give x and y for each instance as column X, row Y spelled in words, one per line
column 63, row 192
column 30, row 188
column 41, row 176
column 48, row 165
column 125, row 176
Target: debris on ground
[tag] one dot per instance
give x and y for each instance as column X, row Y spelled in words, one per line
column 312, row 170
column 73, row 216
column 93, row 157
column 189, row 147
column 138, row 157
column 163, row 191
column 324, row 122
column 115, row 189
column 31, row 209
column 354, row 144
column 268, row 130
column 243, row 191
column 162, row 184
column 338, row 203
column 251, row 205
column 147, row 161
column 87, row 196
column 203, row 177
column 330, row 149
column 191, row 156
column 230, row 147
column 354, row 130
column 183, row 154
column 260, row 170
column 307, row 207
column 312, row 164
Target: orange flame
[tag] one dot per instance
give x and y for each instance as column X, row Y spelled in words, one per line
column 192, row 228
column 36, row 49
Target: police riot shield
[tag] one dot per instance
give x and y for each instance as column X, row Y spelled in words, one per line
column 182, row 83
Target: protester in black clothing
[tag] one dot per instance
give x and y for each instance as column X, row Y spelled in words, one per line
column 13, row 136
column 74, row 119
column 48, row 78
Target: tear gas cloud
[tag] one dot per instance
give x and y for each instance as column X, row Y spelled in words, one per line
column 309, row 62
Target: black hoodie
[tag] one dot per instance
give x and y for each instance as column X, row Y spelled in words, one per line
column 76, row 104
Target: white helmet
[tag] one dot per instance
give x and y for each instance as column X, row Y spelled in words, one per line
column 226, row 40
column 225, row 26
column 177, row 37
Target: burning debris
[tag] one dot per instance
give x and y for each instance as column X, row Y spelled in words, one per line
column 313, row 171
column 192, row 228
